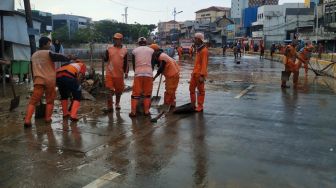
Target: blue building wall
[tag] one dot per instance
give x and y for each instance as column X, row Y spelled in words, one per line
column 250, row 15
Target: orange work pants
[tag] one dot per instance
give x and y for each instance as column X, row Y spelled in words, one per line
column 38, row 91
column 292, row 68
column 195, row 83
column 142, row 85
column 170, row 93
column 116, row 85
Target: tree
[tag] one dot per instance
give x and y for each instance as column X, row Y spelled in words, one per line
column 103, row 31
column 144, row 31
column 61, row 34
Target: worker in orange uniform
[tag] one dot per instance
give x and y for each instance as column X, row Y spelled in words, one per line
column 180, row 52
column 44, row 77
column 116, row 70
column 199, row 73
column 143, row 76
column 289, row 60
column 68, row 79
column 190, row 52
column 304, row 57
column 171, row 71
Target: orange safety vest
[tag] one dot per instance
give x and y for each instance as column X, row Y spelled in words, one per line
column 71, row 70
column 143, row 61
column 201, row 62
column 116, row 61
column 172, row 68
column 43, row 68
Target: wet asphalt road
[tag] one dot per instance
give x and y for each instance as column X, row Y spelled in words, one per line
column 266, row 138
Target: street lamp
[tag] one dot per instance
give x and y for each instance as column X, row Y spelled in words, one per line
column 175, row 13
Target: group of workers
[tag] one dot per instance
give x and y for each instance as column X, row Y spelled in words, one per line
column 294, row 60
column 144, row 58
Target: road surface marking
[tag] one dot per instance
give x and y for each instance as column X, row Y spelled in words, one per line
column 103, row 180
column 242, row 93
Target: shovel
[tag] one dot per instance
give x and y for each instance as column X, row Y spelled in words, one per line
column 156, row 99
column 16, row 100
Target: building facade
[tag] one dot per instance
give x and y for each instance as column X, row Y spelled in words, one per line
column 211, row 14
column 258, row 3
column 330, row 15
column 72, row 22
column 276, row 23
column 44, row 17
column 168, row 31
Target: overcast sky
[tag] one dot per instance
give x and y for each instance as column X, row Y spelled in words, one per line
column 140, row 11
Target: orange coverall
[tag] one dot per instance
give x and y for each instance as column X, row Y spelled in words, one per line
column 200, row 70
column 171, row 71
column 290, row 66
column 44, row 82
column 179, row 51
column 304, row 57
column 115, row 69
column 143, row 78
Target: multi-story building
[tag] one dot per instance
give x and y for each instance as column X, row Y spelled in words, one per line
column 45, row 17
column 210, row 22
column 168, row 31
column 275, row 23
column 237, row 8
column 187, row 30
column 310, row 3
column 330, row 14
column 258, row 3
column 72, row 22
column 211, row 14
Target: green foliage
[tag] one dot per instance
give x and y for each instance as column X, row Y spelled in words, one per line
column 103, row 31
column 61, row 34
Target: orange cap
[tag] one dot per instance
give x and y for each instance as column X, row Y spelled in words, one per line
column 154, row 47
column 118, row 36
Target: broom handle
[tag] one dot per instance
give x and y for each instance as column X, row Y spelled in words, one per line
column 157, row 93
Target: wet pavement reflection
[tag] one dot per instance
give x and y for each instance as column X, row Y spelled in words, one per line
column 264, row 137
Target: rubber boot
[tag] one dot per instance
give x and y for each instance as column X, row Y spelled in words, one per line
column 134, row 103
column 192, row 99
column 283, row 85
column 109, row 105
column 29, row 114
column 74, row 110
column 48, row 113
column 147, row 105
column 118, row 96
column 200, row 102
column 65, row 111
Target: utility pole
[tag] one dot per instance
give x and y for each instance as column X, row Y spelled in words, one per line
column 317, row 21
column 175, row 13
column 31, row 34
column 297, row 21
column 29, row 21
column 126, row 14
column 2, row 55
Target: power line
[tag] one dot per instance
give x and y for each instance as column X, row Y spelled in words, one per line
column 135, row 8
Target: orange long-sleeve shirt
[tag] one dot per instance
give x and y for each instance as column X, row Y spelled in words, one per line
column 201, row 62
